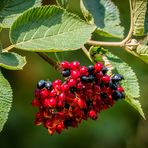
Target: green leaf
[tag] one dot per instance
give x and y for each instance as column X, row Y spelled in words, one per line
column 11, row 9
column 130, row 82
column 105, row 15
column 136, row 104
column 140, row 17
column 142, row 50
column 12, row 61
column 0, row 29
column 49, row 29
column 63, row 3
column 5, row 100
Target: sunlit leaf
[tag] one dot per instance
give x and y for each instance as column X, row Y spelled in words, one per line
column 11, row 9
column 140, row 17
column 105, row 15
column 136, row 104
column 5, row 100
column 12, row 61
column 49, row 29
column 142, row 50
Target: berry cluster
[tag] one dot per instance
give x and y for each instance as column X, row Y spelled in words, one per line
column 84, row 93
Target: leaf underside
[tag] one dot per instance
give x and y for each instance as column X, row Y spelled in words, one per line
column 12, row 61
column 5, row 100
column 49, row 29
column 140, row 17
column 11, row 9
column 105, row 16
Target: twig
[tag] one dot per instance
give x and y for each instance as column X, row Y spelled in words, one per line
column 86, row 52
column 8, row 48
column 124, row 42
column 49, row 60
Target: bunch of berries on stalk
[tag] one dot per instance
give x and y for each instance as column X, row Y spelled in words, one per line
column 85, row 92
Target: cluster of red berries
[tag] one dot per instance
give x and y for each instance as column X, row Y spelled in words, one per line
column 85, row 92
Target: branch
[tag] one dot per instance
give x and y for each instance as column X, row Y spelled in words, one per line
column 125, row 42
column 49, row 60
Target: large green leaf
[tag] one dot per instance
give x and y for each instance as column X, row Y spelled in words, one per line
column 49, row 29
column 130, row 82
column 136, row 104
column 63, row 3
column 105, row 15
column 11, row 9
column 12, row 61
column 5, row 100
column 140, row 17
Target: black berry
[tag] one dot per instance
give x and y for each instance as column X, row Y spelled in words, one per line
column 91, row 78
column 84, row 79
column 104, row 70
column 117, row 78
column 48, row 84
column 117, row 95
column 41, row 84
column 66, row 73
column 90, row 69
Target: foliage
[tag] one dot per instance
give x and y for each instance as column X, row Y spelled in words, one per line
column 53, row 29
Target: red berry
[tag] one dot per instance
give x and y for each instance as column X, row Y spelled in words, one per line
column 72, row 82
column 53, row 93
column 48, row 123
column 75, row 74
column 60, row 127
column 106, row 79
column 56, row 82
column 80, row 86
column 120, row 89
column 35, row 102
column 98, row 67
column 81, row 103
column 75, row 65
column 37, row 93
column 62, row 97
column 44, row 93
column 65, row 65
column 64, row 87
column 92, row 114
column 50, row 102
column 83, row 70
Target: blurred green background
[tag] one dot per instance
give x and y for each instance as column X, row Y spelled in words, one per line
column 119, row 127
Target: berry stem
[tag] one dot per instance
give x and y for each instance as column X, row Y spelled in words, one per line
column 49, row 60
column 86, row 53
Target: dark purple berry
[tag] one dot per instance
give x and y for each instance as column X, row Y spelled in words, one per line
column 91, row 78
column 84, row 79
column 117, row 78
column 104, row 70
column 117, row 95
column 41, row 84
column 66, row 73
column 48, row 84
column 90, row 69
column 112, row 85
